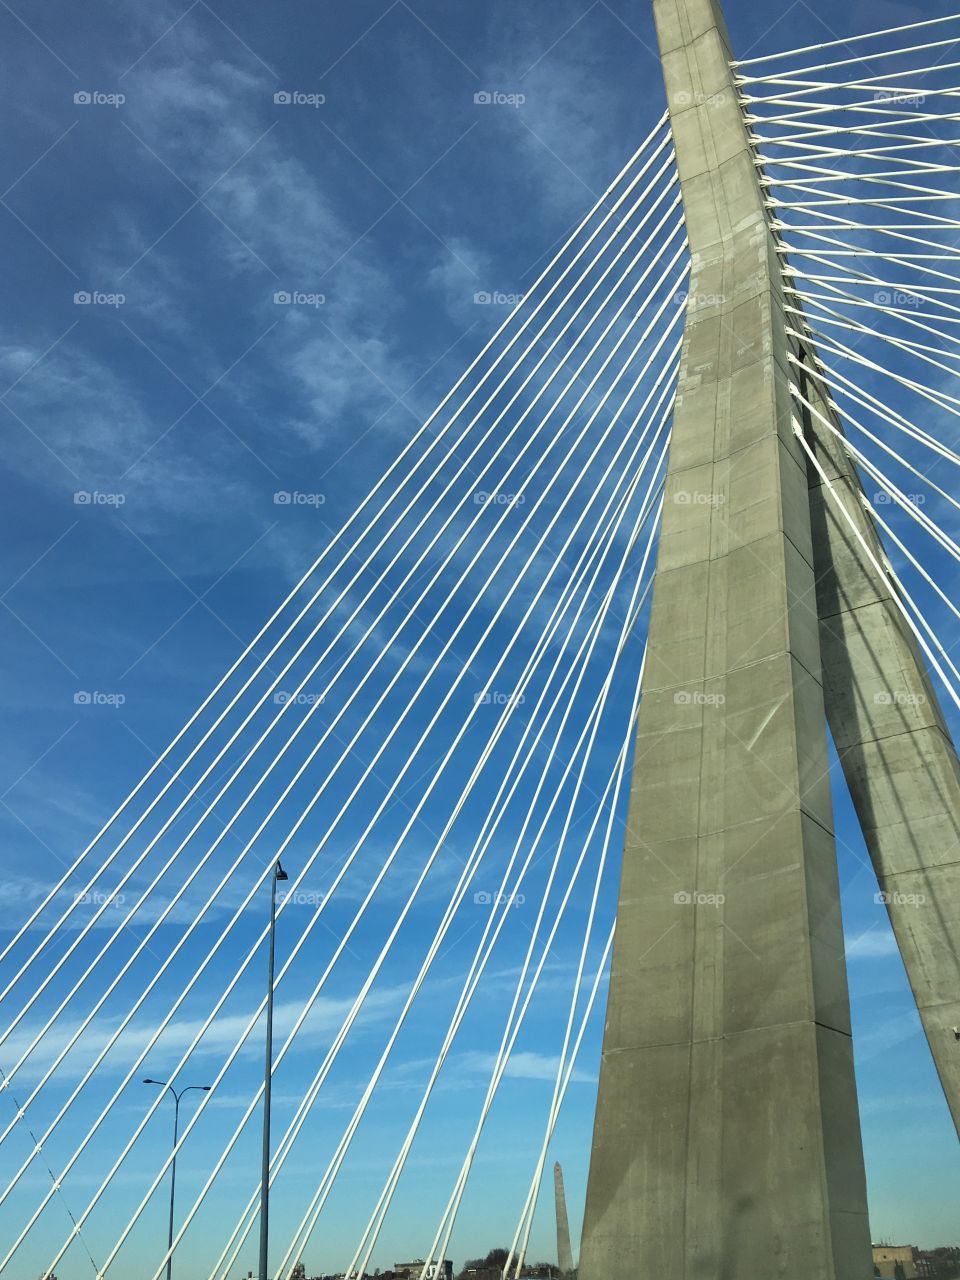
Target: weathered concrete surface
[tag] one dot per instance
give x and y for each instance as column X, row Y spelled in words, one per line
column 727, row 1142
column 897, row 754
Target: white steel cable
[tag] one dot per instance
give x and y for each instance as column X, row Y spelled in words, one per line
column 868, row 106
column 370, row 557
column 384, row 952
column 206, row 1096
column 303, row 872
column 575, row 1053
column 357, row 513
column 503, row 898
column 846, row 62
column 877, row 129
column 847, row 41
column 898, row 594
column 905, row 550
column 841, row 321
column 898, row 496
column 835, row 381
column 206, row 960
column 508, row 1041
column 198, row 865
column 403, row 836
column 215, row 893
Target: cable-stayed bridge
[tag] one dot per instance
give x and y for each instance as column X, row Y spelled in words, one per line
column 699, row 483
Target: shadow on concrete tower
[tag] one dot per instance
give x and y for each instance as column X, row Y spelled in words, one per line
column 727, row 1138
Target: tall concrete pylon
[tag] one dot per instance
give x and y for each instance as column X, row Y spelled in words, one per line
column 564, row 1252
column 727, row 1140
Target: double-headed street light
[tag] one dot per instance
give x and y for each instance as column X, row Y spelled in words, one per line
column 203, row 1088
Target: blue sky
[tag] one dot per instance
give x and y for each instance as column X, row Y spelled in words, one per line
column 181, row 412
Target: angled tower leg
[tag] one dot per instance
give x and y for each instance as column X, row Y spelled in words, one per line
column 727, row 1141
column 897, row 754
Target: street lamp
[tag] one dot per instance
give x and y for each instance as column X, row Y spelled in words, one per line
column 278, row 874
column 204, row 1088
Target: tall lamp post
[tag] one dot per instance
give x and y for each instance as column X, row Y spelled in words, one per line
column 278, row 875
column 203, row 1088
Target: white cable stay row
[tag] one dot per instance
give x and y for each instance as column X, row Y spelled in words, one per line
column 313, row 707
column 815, row 151
column 908, row 164
column 919, row 350
column 503, row 898
column 827, row 174
column 846, row 62
column 941, row 399
column 236, row 977
column 843, row 386
column 542, row 642
column 917, row 564
column 304, row 872
column 566, row 1052
column 890, row 95
column 819, row 232
column 868, row 107
column 911, row 508
column 484, row 839
column 421, row 432
column 918, row 193
column 528, row 314
column 848, row 40
column 903, row 599
column 567, row 1076
column 213, row 897
column 848, row 418
column 303, row 1233
column 335, row 604
column 515, row 1018
column 810, row 129
column 863, row 279
column 196, row 1040
column 400, row 841
column 916, row 316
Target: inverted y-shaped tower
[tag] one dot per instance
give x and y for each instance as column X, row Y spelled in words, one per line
column 727, row 1140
